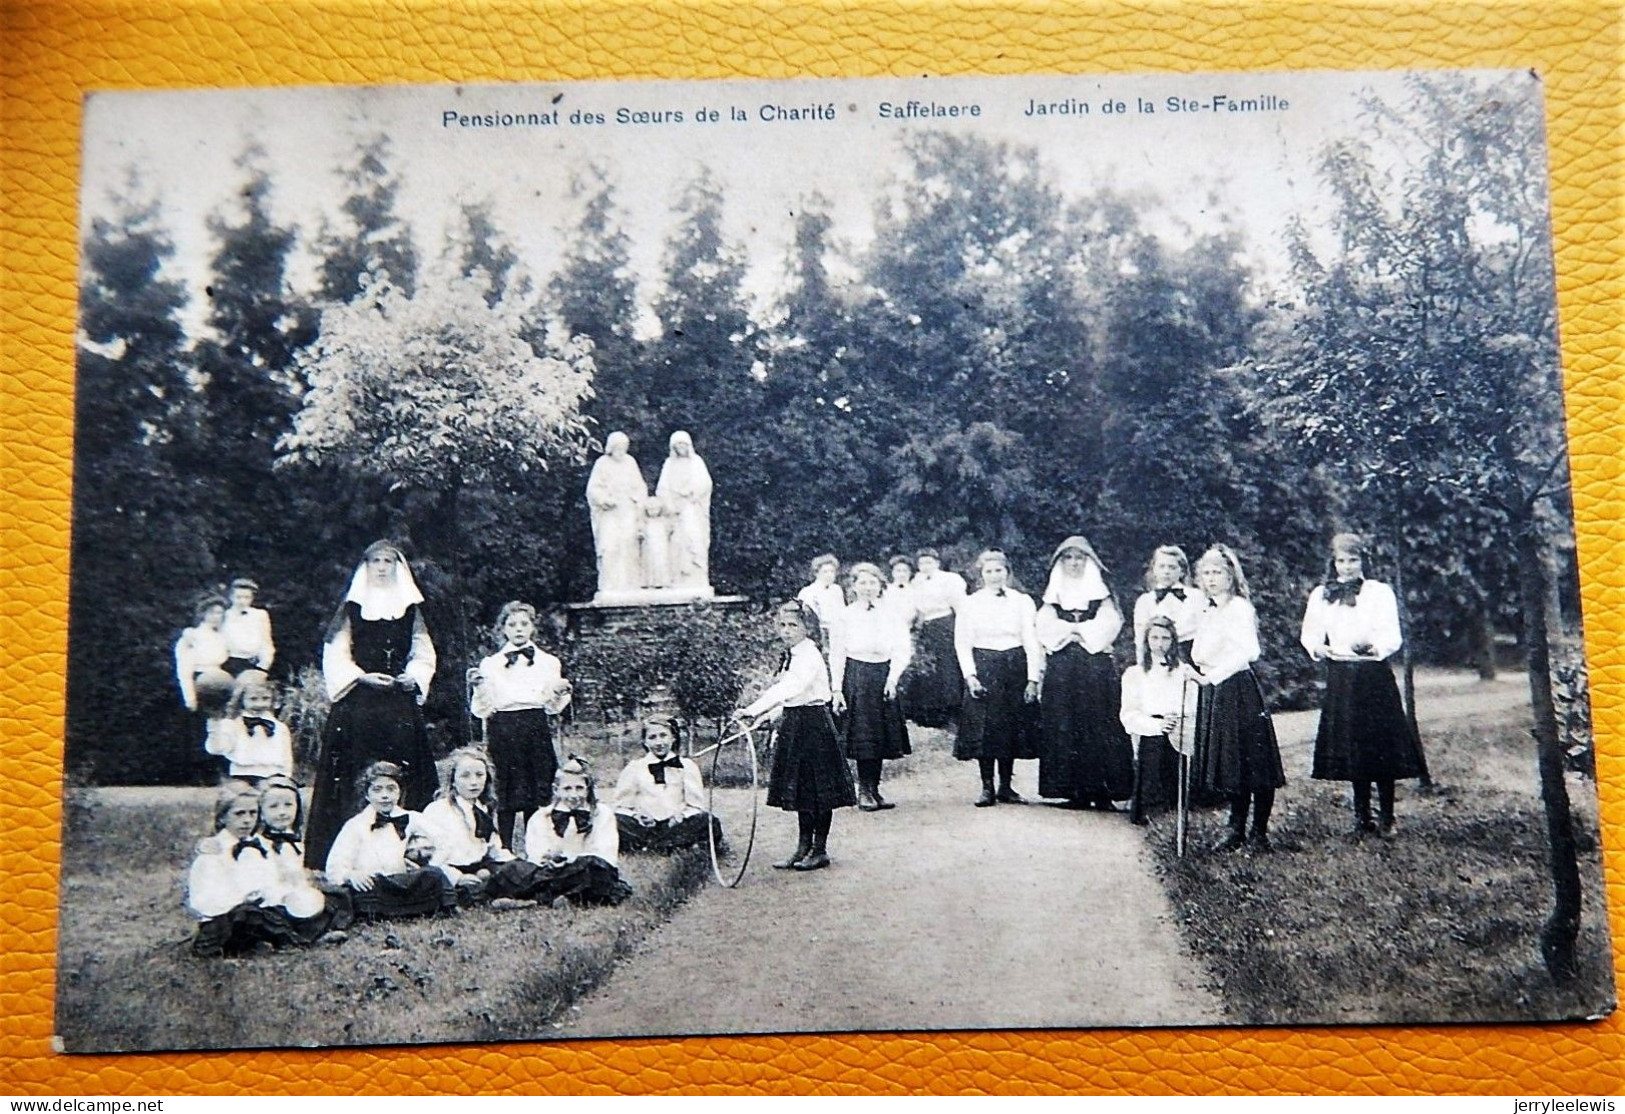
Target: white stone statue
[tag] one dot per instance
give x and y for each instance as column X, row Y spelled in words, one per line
column 616, row 493
column 684, row 491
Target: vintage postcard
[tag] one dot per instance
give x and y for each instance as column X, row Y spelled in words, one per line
column 749, row 557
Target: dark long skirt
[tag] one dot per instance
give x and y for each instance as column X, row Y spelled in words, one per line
column 1086, row 754
column 873, row 725
column 932, row 687
column 412, row 893
column 808, row 772
column 338, row 912
column 238, row 931
column 368, row 725
column 1236, row 738
column 587, row 880
column 1156, row 776
column 999, row 723
column 1364, row 735
column 666, row 838
column 521, row 746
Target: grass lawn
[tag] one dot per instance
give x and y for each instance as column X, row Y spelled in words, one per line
column 1440, row 923
column 127, row 980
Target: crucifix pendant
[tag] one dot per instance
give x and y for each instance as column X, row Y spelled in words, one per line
column 389, row 660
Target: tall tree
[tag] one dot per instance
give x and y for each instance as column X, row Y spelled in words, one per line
column 372, row 243
column 479, row 252
column 139, row 550
column 1427, row 352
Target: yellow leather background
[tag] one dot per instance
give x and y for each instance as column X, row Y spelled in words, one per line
column 54, row 51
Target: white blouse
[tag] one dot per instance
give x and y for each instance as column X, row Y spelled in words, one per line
column 1226, row 640
column 1097, row 633
column 937, row 594
column 340, row 672
column 542, row 840
column 827, row 602
column 870, row 633
column 990, row 621
column 1153, row 696
column 252, row 753
column 452, row 821
column 1332, row 630
column 638, row 794
column 523, row 684
column 899, row 600
column 218, row 883
column 248, row 635
column 198, row 648
column 363, row 851
column 1184, row 612
column 804, row 683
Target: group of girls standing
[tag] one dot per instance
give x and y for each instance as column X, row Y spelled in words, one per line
column 1039, row 680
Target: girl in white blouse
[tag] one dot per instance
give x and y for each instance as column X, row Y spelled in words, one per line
column 1158, row 710
column 996, row 644
column 200, row 657
column 253, row 741
column 572, row 848
column 1352, row 624
column 1169, row 592
column 935, row 684
column 468, row 845
column 868, row 651
column 369, row 856
column 808, row 775
column 1236, row 752
column 823, row 597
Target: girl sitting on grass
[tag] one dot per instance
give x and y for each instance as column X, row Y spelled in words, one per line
column 660, row 799
column 232, row 883
column 313, row 914
column 370, row 854
column 572, row 849
column 464, row 819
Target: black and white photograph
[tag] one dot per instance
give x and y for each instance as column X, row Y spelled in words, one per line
column 684, row 558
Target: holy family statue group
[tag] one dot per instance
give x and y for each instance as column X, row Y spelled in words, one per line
column 651, row 547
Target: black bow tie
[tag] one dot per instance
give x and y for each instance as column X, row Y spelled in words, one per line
column 526, row 652
column 283, row 837
column 259, row 723
column 870, row 606
column 246, row 844
column 1345, row 592
column 397, row 821
column 1176, row 592
column 658, row 769
column 999, row 592
column 483, row 824
column 583, row 819
column 784, row 662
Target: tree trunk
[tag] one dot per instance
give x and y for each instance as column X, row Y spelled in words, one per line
column 1481, row 647
column 1407, row 663
column 1562, row 929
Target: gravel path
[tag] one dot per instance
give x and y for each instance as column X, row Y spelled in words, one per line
column 940, row 916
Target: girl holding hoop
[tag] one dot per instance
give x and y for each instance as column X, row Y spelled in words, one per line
column 1236, row 749
column 1086, row 757
column 1352, row 624
column 868, row 652
column 809, row 775
column 996, row 643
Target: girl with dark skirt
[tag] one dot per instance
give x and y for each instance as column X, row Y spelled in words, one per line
column 515, row 690
column 315, row 914
column 377, row 662
column 1236, row 751
column 382, row 853
column 1158, row 706
column 1352, row 624
column 808, row 775
column 573, row 851
column 1085, row 757
column 996, row 645
column 869, row 650
column 935, row 683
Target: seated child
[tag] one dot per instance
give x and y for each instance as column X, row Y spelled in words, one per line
column 249, row 736
column 463, row 817
column 660, row 801
column 313, row 914
column 232, row 881
column 573, row 846
column 375, row 857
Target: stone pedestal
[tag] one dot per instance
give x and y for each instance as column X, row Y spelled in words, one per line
column 656, row 612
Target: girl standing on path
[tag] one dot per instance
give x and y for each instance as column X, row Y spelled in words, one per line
column 869, row 650
column 1236, row 749
column 1085, row 757
column 936, row 685
column 1352, row 624
column 996, row 644
column 1158, row 701
column 515, row 690
column 823, row 597
column 377, row 662
column 1169, row 592
column 808, row 775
